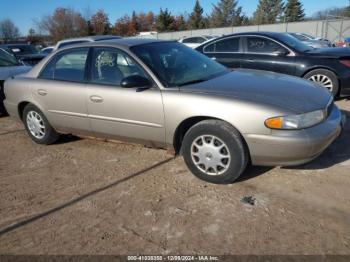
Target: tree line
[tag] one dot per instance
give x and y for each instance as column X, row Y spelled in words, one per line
column 67, row 22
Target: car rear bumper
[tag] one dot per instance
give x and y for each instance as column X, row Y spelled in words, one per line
column 294, row 147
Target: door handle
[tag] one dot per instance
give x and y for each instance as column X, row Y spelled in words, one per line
column 42, row 92
column 250, row 60
column 213, row 58
column 96, row 99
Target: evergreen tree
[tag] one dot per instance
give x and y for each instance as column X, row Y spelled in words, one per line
column 180, row 23
column 293, row 11
column 196, row 20
column 268, row 12
column 133, row 26
column 164, row 21
column 226, row 13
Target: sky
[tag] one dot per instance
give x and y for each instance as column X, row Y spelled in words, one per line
column 24, row 12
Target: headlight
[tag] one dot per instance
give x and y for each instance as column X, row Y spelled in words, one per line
column 296, row 121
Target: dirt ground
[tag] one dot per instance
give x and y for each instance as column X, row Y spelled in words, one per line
column 83, row 196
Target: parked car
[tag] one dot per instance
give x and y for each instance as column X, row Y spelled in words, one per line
column 310, row 37
column 27, row 54
column 47, row 50
column 282, row 53
column 9, row 66
column 74, row 41
column 166, row 95
column 195, row 41
column 311, row 42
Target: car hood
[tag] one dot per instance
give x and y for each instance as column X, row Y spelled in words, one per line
column 334, row 52
column 275, row 89
column 9, row 71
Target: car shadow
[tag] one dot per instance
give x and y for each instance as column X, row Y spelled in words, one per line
column 252, row 172
column 345, row 98
column 64, row 139
column 337, row 153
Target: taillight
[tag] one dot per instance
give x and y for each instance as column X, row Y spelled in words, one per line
column 345, row 62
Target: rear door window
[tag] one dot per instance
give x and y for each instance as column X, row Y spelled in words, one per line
column 67, row 66
column 226, row 45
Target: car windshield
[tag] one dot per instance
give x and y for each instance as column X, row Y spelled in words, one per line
column 177, row 65
column 7, row 59
column 293, row 42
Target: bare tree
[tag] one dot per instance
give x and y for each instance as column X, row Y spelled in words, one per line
column 100, row 23
column 64, row 23
column 8, row 30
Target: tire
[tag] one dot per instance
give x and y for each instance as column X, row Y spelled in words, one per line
column 233, row 154
column 324, row 76
column 37, row 126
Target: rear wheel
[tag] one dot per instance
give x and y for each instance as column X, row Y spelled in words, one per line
column 37, row 126
column 326, row 78
column 214, row 151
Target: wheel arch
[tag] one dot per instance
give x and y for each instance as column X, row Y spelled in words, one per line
column 325, row 68
column 21, row 107
column 187, row 123
column 23, row 104
column 319, row 67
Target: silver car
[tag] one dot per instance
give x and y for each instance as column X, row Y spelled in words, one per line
column 166, row 95
column 311, row 42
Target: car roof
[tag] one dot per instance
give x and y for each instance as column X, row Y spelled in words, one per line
column 124, row 42
column 262, row 33
column 90, row 38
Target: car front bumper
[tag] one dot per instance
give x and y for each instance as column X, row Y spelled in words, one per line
column 295, row 147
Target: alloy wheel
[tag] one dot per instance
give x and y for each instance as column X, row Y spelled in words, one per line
column 35, row 124
column 210, row 155
column 323, row 80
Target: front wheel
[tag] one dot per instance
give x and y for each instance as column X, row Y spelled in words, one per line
column 214, row 151
column 37, row 126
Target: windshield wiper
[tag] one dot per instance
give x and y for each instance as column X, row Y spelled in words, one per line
column 192, row 82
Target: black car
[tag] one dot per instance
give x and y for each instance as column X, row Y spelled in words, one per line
column 282, row 53
column 27, row 54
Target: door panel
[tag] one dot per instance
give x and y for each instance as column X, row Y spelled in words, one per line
column 123, row 113
column 126, row 113
column 260, row 54
column 60, row 91
column 64, row 104
column 226, row 51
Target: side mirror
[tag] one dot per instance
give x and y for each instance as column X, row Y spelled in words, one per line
column 135, row 81
column 281, row 52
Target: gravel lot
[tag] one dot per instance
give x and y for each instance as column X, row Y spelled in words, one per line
column 83, row 196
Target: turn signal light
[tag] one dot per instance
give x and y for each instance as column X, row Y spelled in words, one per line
column 274, row 123
column 345, row 62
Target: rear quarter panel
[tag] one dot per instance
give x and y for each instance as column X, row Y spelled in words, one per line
column 17, row 90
